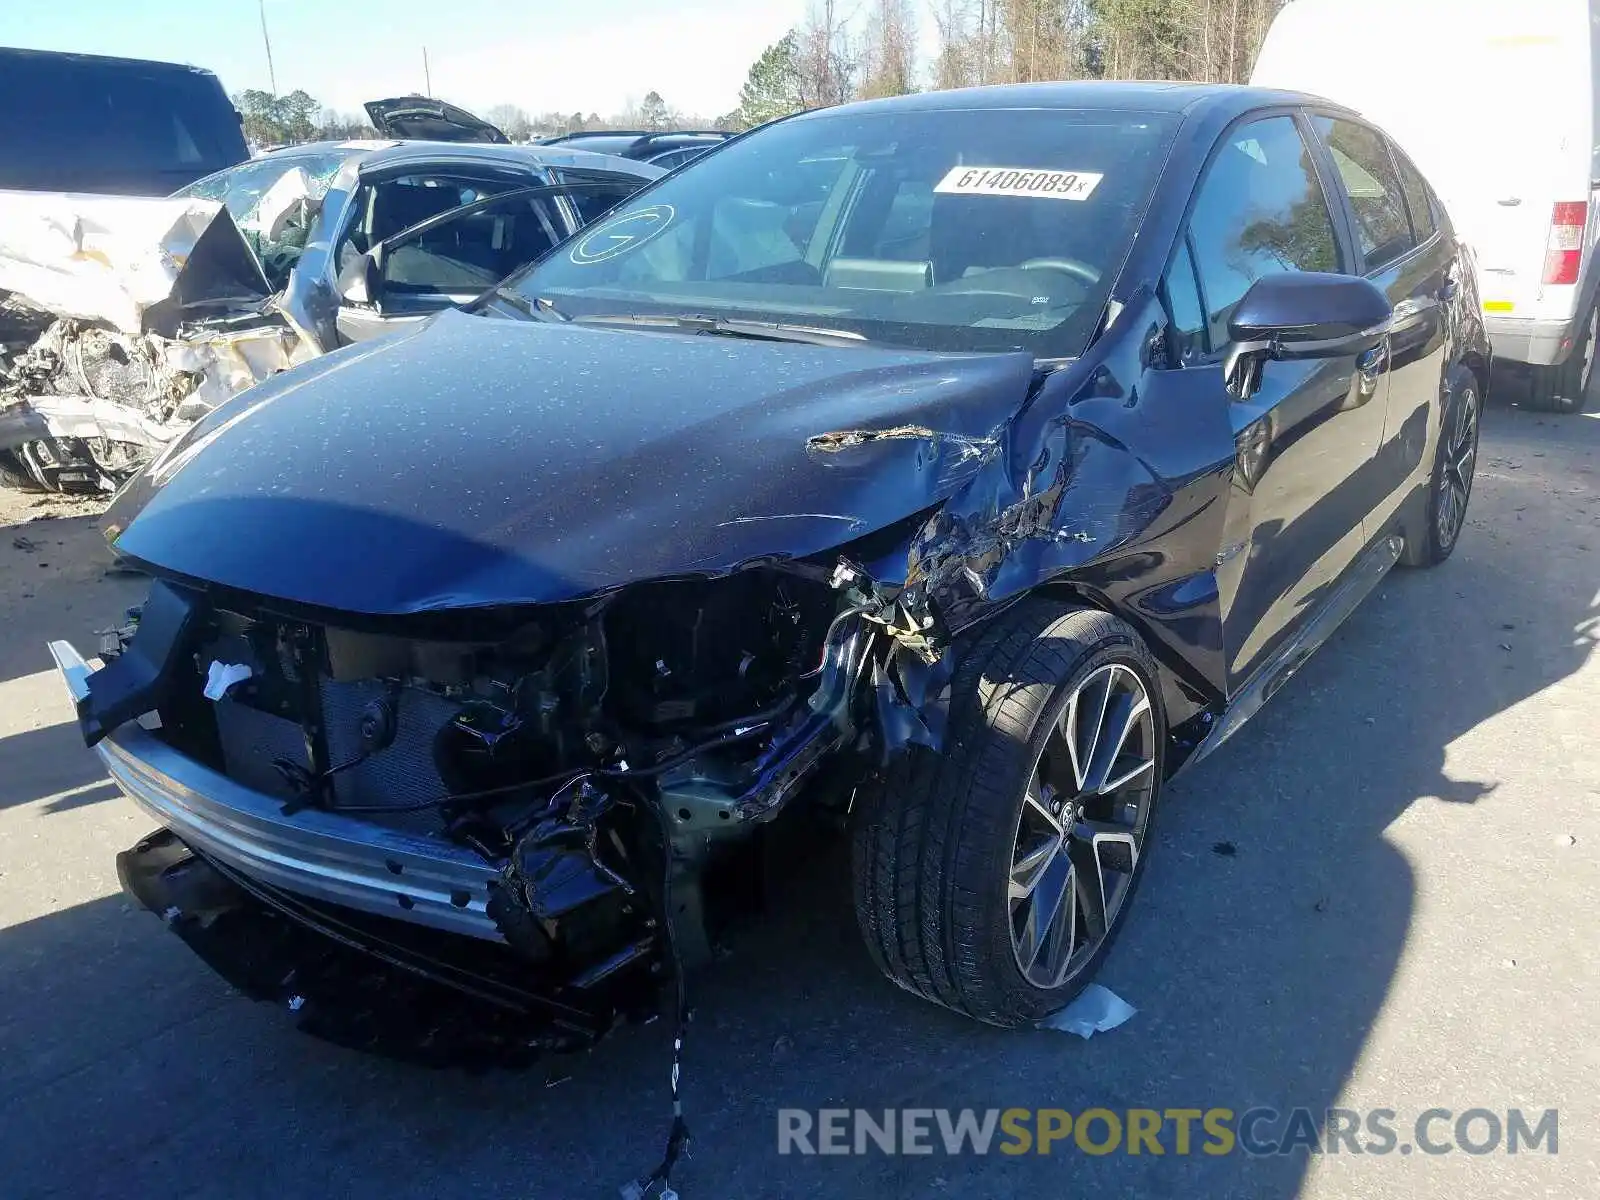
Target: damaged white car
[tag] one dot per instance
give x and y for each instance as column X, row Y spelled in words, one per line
column 124, row 319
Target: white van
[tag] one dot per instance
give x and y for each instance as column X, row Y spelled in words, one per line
column 1496, row 101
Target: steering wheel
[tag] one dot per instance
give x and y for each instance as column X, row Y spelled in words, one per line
column 1080, row 271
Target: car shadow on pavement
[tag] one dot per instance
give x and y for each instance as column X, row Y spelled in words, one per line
column 56, row 578
column 51, row 764
column 1259, row 954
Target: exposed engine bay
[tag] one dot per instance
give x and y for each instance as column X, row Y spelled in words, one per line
column 613, row 760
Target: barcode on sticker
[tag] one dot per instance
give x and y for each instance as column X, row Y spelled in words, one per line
column 1019, row 181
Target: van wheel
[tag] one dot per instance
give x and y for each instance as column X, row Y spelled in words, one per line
column 1450, row 485
column 993, row 876
column 1565, row 389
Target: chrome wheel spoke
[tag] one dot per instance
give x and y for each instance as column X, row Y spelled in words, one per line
column 1117, row 766
column 1091, row 889
column 1039, row 807
column 1081, row 824
column 1084, row 721
column 1030, row 868
column 1115, row 846
column 1068, row 732
column 1043, row 911
column 1128, row 774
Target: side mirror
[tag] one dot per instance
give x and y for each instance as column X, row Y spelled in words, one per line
column 361, row 281
column 1304, row 315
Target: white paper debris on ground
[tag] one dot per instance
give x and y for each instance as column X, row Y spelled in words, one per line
column 223, row 676
column 1095, row 1010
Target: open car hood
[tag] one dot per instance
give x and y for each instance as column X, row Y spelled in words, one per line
column 424, row 119
column 482, row 461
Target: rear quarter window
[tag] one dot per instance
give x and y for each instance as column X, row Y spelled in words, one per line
column 1419, row 203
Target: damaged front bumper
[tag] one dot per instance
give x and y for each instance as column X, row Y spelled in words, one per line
column 311, row 853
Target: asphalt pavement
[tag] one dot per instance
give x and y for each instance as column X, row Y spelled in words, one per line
column 1381, row 894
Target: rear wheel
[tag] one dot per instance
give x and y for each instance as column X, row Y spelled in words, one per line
column 993, row 877
column 1450, row 487
column 1565, row 388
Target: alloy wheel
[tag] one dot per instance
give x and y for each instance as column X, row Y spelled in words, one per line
column 1461, row 457
column 1082, row 826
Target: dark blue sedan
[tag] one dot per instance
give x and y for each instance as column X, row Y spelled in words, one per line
column 963, row 464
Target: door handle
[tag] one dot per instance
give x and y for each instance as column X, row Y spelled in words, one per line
column 1370, row 365
column 1509, row 202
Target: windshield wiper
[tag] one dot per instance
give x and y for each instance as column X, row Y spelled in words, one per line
column 539, row 308
column 766, row 331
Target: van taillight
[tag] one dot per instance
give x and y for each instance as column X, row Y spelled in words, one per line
column 1564, row 251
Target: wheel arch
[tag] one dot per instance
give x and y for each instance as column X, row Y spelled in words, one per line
column 1185, row 694
column 1481, row 367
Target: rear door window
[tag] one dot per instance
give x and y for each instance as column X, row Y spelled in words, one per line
column 1260, row 211
column 472, row 251
column 1367, row 173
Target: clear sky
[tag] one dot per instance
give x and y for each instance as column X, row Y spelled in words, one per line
column 566, row 55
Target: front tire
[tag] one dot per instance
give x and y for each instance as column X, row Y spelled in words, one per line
column 1565, row 388
column 993, row 877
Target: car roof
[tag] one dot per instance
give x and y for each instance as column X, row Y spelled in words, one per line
column 1223, row 99
column 103, row 60
column 401, row 153
column 639, row 144
column 376, row 154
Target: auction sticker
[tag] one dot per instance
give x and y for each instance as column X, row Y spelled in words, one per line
column 624, row 233
column 1019, row 181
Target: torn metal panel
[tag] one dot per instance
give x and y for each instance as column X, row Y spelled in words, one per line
column 86, row 406
column 116, row 259
column 75, row 417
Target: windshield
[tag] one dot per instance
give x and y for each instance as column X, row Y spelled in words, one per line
column 273, row 201
column 970, row 230
column 241, row 188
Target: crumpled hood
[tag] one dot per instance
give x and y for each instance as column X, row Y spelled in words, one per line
column 481, row 461
column 129, row 261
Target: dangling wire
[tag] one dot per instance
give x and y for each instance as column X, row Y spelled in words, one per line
column 678, row 1135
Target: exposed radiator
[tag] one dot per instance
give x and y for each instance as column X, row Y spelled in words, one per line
column 402, row 773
